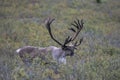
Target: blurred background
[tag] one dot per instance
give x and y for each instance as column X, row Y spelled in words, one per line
column 97, row 58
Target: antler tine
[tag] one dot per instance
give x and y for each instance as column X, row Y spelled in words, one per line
column 48, row 23
column 67, row 40
column 79, row 25
column 77, row 44
column 72, row 29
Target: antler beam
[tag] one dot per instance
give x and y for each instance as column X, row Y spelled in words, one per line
column 48, row 23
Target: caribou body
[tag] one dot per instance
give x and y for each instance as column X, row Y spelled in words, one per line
column 58, row 53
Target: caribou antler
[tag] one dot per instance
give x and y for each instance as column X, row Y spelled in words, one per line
column 78, row 43
column 67, row 40
column 48, row 23
column 78, row 25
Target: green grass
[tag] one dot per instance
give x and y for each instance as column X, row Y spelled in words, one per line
column 97, row 58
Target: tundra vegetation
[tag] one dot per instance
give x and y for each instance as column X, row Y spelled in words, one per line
column 97, row 58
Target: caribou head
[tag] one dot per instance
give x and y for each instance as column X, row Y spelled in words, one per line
column 58, row 53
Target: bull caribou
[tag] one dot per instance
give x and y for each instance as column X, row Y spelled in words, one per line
column 58, row 53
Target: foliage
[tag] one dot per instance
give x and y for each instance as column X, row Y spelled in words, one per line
column 22, row 23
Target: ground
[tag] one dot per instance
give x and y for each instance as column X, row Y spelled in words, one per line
column 97, row 58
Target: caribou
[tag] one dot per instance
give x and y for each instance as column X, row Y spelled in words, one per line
column 58, row 53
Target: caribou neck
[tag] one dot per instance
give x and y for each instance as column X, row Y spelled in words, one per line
column 56, row 52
